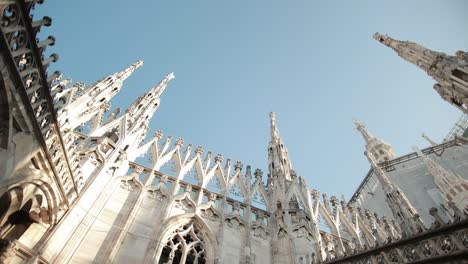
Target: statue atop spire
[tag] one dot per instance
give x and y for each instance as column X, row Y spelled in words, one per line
column 376, row 146
column 450, row 72
column 273, row 128
column 426, row 137
column 364, row 132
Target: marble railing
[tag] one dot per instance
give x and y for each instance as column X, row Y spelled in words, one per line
column 28, row 67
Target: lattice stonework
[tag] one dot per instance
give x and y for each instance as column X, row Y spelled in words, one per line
column 184, row 245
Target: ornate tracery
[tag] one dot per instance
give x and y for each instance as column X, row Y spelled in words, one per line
column 185, row 245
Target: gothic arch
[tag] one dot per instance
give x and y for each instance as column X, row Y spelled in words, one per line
column 19, row 194
column 25, row 205
column 186, row 239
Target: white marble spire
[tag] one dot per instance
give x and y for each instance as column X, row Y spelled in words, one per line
column 450, row 72
column 279, row 163
column 141, row 111
column 91, row 103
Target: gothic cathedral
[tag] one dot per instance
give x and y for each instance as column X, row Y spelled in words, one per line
column 72, row 192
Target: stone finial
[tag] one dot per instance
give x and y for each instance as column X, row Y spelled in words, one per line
column 158, row 135
column 334, row 201
column 258, row 174
column 380, row 37
column 179, row 142
column 137, row 64
column 218, row 158
column 426, row 137
column 188, row 188
column 315, row 194
column 199, row 150
column 238, row 166
column 79, row 86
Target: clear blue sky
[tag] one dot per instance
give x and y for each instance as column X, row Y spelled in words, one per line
column 314, row 63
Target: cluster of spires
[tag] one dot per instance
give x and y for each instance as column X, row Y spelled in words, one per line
column 97, row 97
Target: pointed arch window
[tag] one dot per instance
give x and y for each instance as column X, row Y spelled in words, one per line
column 184, row 245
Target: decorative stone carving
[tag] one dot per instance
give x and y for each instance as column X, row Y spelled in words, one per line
column 185, row 204
column 129, row 184
column 210, row 213
column 235, row 222
column 157, row 194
